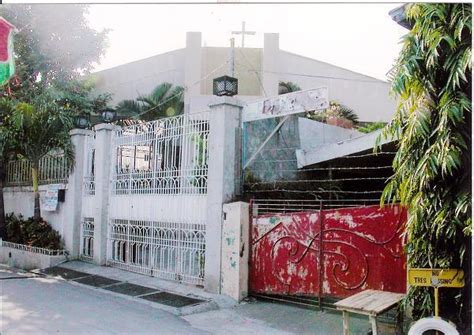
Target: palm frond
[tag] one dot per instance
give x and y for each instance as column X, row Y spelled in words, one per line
column 285, row 87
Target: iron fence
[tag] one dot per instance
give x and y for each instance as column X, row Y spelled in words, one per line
column 53, row 169
column 158, row 198
column 166, row 156
column 36, row 250
column 87, row 239
column 166, row 250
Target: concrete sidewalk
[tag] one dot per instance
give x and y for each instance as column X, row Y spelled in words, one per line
column 45, row 305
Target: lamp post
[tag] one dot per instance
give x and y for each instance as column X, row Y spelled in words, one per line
column 81, row 121
column 225, row 85
column 108, row 115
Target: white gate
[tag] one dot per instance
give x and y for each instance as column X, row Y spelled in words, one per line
column 158, row 198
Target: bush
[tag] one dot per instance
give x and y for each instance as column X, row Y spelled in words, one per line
column 33, row 233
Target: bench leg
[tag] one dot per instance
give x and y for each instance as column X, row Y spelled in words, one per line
column 345, row 322
column 373, row 322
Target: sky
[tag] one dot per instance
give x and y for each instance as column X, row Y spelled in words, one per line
column 359, row 37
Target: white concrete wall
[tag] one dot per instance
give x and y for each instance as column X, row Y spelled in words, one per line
column 20, row 200
column 223, row 183
column 166, row 207
column 235, row 251
column 27, row 260
column 315, row 134
column 130, row 80
column 192, row 67
column 195, row 66
column 367, row 96
column 271, row 64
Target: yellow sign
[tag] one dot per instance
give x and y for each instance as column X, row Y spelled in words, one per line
column 436, row 277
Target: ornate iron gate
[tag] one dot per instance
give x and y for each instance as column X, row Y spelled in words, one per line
column 158, row 198
column 327, row 253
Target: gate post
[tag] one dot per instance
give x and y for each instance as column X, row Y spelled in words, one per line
column 72, row 224
column 235, row 250
column 103, row 162
column 223, row 180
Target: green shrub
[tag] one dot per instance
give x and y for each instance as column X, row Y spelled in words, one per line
column 33, row 233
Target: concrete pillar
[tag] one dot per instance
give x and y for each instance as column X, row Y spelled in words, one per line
column 270, row 63
column 72, row 221
column 192, row 68
column 223, row 180
column 103, row 163
column 235, row 251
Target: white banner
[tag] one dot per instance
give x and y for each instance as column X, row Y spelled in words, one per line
column 287, row 104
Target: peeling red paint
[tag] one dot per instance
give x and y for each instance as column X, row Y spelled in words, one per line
column 361, row 249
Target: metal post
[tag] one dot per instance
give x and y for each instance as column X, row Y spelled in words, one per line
column 320, row 254
column 232, row 56
column 436, row 296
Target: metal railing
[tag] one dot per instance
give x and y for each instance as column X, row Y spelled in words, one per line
column 35, row 250
column 158, row 196
column 87, row 239
column 89, row 179
column 53, row 169
column 166, row 156
column 166, row 250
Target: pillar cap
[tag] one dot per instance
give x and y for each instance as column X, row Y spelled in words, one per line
column 218, row 101
column 104, row 126
column 80, row 132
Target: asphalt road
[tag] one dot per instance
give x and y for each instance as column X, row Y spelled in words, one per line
column 40, row 305
column 50, row 306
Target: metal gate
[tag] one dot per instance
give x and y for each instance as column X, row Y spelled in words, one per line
column 326, row 253
column 158, row 198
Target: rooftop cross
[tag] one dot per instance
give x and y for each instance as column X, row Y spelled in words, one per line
column 243, row 33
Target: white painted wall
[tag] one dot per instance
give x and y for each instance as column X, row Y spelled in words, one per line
column 167, row 207
column 367, row 96
column 130, row 80
column 315, row 134
column 235, row 250
column 20, row 200
column 195, row 66
column 27, row 260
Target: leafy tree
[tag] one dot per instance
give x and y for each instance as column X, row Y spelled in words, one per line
column 287, row 87
column 432, row 166
column 335, row 110
column 6, row 151
column 53, row 47
column 164, row 101
column 38, row 129
column 53, row 44
column 77, row 97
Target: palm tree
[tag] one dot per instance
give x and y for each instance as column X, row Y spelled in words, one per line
column 6, row 153
column 287, row 87
column 164, row 101
column 335, row 110
column 38, row 128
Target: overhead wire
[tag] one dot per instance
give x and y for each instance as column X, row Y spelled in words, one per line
column 184, row 89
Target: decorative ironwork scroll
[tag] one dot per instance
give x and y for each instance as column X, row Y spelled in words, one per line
column 361, row 248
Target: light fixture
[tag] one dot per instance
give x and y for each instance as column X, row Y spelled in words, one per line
column 81, row 121
column 108, row 115
column 225, row 85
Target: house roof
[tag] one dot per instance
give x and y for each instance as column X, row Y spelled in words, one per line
column 339, row 149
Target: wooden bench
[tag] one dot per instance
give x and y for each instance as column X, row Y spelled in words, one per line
column 368, row 302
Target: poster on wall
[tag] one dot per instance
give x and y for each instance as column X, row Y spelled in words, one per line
column 49, row 200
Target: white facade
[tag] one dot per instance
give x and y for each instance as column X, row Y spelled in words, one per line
column 258, row 72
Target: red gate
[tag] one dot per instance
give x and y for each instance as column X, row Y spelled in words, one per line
column 359, row 248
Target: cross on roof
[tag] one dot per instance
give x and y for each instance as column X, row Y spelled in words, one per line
column 243, row 33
